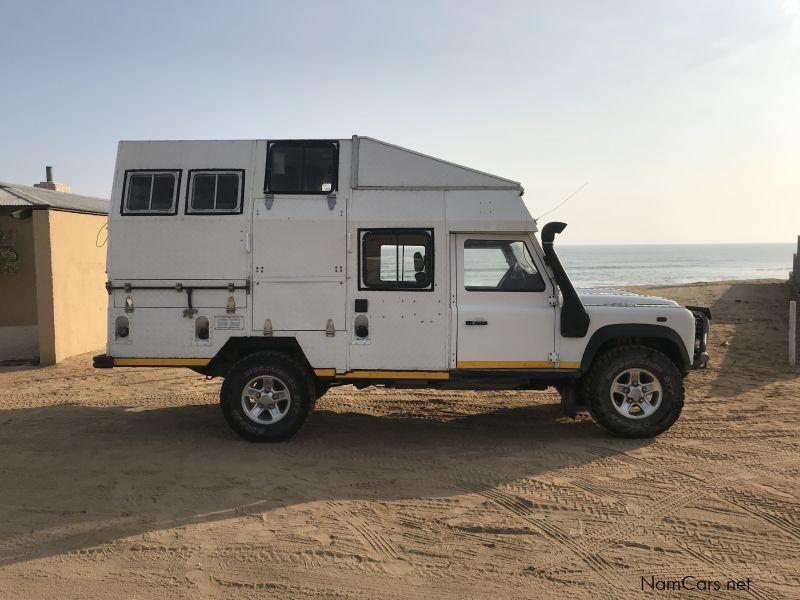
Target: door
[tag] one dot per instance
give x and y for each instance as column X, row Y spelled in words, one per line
column 505, row 320
column 299, row 250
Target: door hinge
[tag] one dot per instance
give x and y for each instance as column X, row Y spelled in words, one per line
column 553, row 358
column 552, row 300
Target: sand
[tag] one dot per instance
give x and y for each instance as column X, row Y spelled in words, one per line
column 128, row 484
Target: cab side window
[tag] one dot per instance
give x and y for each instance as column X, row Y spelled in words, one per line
column 215, row 192
column 396, row 259
column 150, row 192
column 302, row 167
column 500, row 266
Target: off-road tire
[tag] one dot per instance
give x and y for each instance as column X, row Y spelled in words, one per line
column 298, row 381
column 321, row 389
column 602, row 375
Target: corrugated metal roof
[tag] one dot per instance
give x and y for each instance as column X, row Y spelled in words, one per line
column 24, row 196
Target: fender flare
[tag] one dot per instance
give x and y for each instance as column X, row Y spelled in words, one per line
column 634, row 330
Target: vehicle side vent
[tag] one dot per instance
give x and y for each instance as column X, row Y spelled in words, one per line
column 361, row 328
column 201, row 330
column 122, row 328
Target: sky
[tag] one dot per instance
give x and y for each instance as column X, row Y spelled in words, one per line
column 681, row 116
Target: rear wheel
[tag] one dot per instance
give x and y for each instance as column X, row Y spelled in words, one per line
column 322, row 389
column 635, row 391
column 267, row 397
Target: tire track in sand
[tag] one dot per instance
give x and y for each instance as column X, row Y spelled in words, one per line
column 373, row 539
column 765, row 509
column 517, row 507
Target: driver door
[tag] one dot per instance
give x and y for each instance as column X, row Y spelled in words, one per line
column 504, row 318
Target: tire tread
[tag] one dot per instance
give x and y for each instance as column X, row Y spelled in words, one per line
column 633, row 429
column 230, row 394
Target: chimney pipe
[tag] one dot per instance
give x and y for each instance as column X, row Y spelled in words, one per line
column 49, row 171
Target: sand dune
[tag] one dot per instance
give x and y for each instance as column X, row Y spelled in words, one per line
column 128, row 483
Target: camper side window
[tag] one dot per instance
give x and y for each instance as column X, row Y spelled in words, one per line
column 396, row 259
column 216, row 192
column 150, row 192
column 302, row 167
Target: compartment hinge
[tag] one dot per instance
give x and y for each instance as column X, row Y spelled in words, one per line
column 191, row 311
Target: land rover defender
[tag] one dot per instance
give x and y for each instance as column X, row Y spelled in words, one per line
column 290, row 266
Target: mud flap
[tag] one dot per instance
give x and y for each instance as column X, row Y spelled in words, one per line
column 568, row 400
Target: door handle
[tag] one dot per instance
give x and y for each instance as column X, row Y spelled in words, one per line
column 477, row 322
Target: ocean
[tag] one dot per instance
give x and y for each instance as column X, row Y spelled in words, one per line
column 592, row 266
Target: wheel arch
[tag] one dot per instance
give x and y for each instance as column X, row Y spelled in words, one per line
column 658, row 337
column 237, row 348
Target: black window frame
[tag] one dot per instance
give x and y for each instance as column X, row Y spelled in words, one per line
column 187, row 210
column 304, row 144
column 399, row 286
column 495, row 290
column 150, row 213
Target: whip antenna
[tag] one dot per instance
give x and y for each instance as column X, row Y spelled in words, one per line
column 563, row 202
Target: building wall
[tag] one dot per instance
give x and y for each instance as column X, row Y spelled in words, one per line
column 18, row 315
column 18, row 290
column 70, row 273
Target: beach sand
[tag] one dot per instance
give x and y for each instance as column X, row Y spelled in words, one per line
column 128, row 484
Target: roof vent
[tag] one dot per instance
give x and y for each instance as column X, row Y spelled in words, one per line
column 49, row 184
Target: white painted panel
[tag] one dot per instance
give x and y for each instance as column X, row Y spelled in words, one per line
column 299, row 237
column 393, row 208
column 166, row 333
column 322, row 351
column 487, row 210
column 384, row 165
column 407, row 330
column 300, row 305
column 178, row 247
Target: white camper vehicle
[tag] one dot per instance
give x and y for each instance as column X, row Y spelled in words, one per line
column 290, row 266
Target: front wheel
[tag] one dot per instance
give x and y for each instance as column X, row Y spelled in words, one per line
column 635, row 391
column 267, row 397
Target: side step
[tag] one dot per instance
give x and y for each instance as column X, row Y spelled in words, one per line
column 102, row 361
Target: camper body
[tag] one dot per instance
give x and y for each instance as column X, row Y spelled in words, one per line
column 290, row 266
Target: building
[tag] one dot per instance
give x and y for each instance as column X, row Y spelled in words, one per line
column 52, row 272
